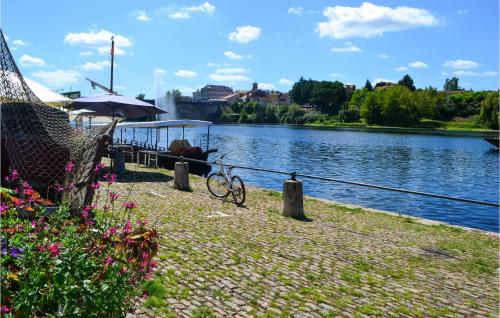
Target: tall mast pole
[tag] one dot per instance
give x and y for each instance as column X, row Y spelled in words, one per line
column 112, row 62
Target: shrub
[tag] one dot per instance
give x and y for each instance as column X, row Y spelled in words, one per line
column 489, row 111
column 87, row 264
column 349, row 115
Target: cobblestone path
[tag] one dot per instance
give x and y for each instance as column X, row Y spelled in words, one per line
column 218, row 260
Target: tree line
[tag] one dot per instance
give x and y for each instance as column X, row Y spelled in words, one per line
column 387, row 104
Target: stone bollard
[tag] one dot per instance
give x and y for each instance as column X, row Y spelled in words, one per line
column 181, row 177
column 119, row 159
column 293, row 198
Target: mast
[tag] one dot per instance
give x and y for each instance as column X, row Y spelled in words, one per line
column 112, row 62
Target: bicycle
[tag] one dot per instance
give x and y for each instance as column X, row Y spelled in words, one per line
column 221, row 183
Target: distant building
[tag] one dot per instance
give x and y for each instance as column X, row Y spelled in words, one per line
column 210, row 92
column 350, row 88
column 383, row 85
column 279, row 98
column 72, row 95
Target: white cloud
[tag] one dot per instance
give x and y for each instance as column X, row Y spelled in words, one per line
column 462, row 12
column 6, row 37
column 349, row 48
column 185, row 12
column 57, row 78
column 233, row 56
column 97, row 38
column 160, row 71
column 370, row 20
column 418, row 64
column 245, row 34
column 96, row 66
column 336, row 75
column 383, row 56
column 86, row 53
column 295, row 10
column 267, row 86
column 378, row 80
column 401, row 68
column 444, row 73
column 238, row 70
column 186, row 74
column 179, row 15
column 185, row 90
column 19, row 43
column 28, row 61
column 141, row 15
column 285, row 81
column 461, row 64
column 478, row 74
column 104, row 50
column 229, row 78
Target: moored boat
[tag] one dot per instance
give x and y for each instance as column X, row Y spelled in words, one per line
column 150, row 153
column 492, row 140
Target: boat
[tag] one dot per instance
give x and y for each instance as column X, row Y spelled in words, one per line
column 149, row 152
column 492, row 140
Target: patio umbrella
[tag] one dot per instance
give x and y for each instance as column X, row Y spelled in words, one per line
column 116, row 105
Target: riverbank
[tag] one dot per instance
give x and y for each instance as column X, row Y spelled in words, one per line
column 449, row 131
column 217, row 259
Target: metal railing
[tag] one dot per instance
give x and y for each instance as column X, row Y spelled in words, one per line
column 294, row 174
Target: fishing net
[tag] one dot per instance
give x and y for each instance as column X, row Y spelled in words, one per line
column 38, row 141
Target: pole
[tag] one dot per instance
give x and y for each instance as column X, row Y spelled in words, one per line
column 208, row 136
column 112, row 62
column 182, row 132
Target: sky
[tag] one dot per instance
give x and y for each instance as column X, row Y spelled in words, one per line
column 185, row 45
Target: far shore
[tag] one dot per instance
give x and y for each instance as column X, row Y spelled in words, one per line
column 470, row 132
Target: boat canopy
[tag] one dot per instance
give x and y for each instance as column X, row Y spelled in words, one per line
column 164, row 124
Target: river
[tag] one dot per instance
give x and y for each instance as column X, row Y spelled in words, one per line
column 451, row 165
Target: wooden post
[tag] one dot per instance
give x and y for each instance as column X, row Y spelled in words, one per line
column 119, row 160
column 293, row 198
column 181, row 176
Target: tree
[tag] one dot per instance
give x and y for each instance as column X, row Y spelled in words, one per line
column 398, row 107
column 368, row 86
column 451, row 84
column 302, row 90
column 489, row 111
column 407, row 82
column 329, row 96
column 371, row 109
column 141, row 96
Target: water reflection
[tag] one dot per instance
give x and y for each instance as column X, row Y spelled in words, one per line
column 458, row 166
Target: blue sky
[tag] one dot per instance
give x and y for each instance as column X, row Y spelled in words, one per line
column 186, row 45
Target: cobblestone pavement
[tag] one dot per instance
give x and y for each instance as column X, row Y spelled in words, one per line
column 220, row 260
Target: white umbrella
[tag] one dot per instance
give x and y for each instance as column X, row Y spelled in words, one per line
column 45, row 94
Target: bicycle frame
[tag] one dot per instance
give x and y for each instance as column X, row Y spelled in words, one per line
column 226, row 173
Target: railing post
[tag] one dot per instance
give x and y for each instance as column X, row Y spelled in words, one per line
column 119, row 160
column 293, row 198
column 181, row 175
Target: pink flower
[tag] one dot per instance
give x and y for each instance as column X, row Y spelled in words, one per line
column 54, row 249
column 87, row 210
column 13, row 175
column 99, row 167
column 41, row 249
column 111, row 178
column 95, row 186
column 70, row 166
column 4, row 309
column 105, row 208
column 3, row 208
column 124, row 270
column 59, row 188
column 108, row 260
column 129, row 205
column 113, row 196
column 127, row 228
column 70, row 186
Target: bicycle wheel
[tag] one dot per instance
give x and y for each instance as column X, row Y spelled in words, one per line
column 238, row 190
column 217, row 185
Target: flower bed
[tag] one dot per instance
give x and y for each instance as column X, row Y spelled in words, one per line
column 60, row 264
